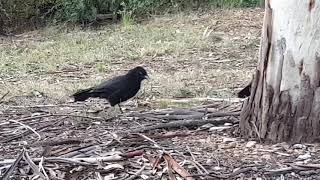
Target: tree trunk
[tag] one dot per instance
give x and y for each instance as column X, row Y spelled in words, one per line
column 284, row 104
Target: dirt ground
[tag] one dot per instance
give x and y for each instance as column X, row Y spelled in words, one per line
column 182, row 125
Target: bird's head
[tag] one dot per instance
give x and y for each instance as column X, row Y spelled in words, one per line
column 139, row 72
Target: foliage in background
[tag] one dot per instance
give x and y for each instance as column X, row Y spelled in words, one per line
column 18, row 12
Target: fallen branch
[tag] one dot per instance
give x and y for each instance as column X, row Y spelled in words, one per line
column 82, row 161
column 180, row 123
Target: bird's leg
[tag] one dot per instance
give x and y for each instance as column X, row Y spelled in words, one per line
column 120, row 108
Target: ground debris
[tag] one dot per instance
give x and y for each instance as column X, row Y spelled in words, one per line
column 74, row 145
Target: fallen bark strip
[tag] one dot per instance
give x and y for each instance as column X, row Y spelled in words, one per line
column 172, row 164
column 174, row 115
column 182, row 123
column 33, row 166
column 158, row 136
column 26, row 133
column 188, row 100
column 313, row 166
column 15, row 163
column 57, row 143
column 81, row 161
column 55, row 115
column 213, row 175
column 292, row 168
column 27, row 127
column 47, row 106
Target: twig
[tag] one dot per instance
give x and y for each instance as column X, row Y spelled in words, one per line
column 28, row 127
column 41, row 168
column 33, row 166
column 27, row 132
column 196, row 162
column 149, row 139
column 3, row 96
column 160, row 136
column 9, row 171
column 189, row 150
column 137, row 173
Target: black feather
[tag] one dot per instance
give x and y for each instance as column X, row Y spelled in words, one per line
column 117, row 89
column 245, row 92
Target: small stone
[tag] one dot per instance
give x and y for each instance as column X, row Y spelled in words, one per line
column 209, row 161
column 251, row 144
column 232, row 145
column 299, row 146
column 208, row 125
column 217, row 168
column 304, row 156
column 143, row 176
column 227, row 124
column 227, row 140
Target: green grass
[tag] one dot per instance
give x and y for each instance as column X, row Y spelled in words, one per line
column 58, row 61
column 56, row 49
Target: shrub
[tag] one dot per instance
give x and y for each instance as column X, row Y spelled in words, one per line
column 18, row 12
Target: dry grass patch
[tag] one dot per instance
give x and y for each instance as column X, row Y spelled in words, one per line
column 57, row 61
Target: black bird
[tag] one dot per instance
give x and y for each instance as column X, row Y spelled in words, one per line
column 117, row 89
column 245, row 92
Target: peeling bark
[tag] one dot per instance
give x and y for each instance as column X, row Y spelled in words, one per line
column 284, row 104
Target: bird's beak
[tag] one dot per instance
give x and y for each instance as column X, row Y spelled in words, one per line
column 146, row 77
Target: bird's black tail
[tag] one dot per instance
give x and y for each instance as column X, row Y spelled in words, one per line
column 82, row 95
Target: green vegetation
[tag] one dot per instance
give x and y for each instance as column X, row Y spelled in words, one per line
column 57, row 60
column 15, row 13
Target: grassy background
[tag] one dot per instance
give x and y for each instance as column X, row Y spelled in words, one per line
column 56, row 61
column 17, row 15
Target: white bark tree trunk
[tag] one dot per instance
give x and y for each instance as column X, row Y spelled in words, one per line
column 284, row 104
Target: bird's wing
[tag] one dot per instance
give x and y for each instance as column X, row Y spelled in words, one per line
column 109, row 87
